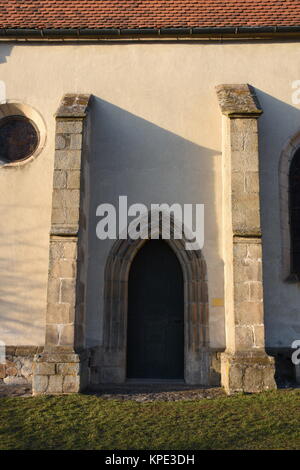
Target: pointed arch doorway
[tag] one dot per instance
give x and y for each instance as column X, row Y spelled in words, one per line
column 155, row 325
column 196, row 354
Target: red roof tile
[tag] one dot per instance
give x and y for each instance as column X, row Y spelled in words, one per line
column 120, row 14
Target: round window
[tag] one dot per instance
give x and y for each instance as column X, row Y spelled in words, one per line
column 18, row 138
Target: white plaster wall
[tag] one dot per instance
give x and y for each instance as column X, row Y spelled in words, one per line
column 156, row 138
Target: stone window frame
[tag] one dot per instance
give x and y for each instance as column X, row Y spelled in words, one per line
column 15, row 108
column 196, row 309
column 287, row 155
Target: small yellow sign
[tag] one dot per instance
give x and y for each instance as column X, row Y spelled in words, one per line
column 217, row 302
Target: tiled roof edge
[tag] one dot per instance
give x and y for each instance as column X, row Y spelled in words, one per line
column 74, row 33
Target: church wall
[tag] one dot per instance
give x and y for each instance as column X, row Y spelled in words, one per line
column 156, row 137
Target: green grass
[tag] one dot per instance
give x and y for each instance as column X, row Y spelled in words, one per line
column 265, row 421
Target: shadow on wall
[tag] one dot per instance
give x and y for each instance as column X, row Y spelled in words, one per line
column 23, row 276
column 136, row 158
column 23, row 283
column 277, row 125
column 5, row 51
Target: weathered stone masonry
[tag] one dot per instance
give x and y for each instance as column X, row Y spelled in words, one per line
column 17, row 369
column 197, row 368
column 245, row 365
column 61, row 367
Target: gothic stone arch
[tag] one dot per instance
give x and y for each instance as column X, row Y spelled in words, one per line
column 196, row 339
column 287, row 155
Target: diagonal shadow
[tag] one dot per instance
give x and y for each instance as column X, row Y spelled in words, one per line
column 134, row 157
column 281, row 299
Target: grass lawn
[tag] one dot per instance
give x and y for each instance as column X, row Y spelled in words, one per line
column 265, row 421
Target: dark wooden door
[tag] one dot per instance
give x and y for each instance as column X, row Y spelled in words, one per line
column 155, row 335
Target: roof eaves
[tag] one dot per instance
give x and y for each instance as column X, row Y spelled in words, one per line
column 98, row 33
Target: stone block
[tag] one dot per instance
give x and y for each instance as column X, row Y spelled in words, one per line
column 73, row 106
column 67, row 335
column 245, row 160
column 76, row 141
column 39, row 384
column 53, row 290
column 59, row 179
column 58, row 313
column 26, row 351
column 10, row 363
column 238, row 100
column 65, row 216
column 55, row 384
column 44, row 368
column 70, row 249
column 60, row 141
column 26, row 370
column 15, row 380
column 18, row 363
column 73, row 179
column 63, row 268
column 244, row 136
column 245, row 213
column 10, row 350
column 11, row 371
column 68, row 127
column 239, row 251
column 112, row 375
column 244, row 338
column 67, row 160
column 65, row 198
column 68, row 291
column 250, row 372
column 71, row 384
column 252, row 181
column 236, row 378
column 56, row 249
column 259, row 336
column 58, row 355
column 215, row 370
column 238, row 182
column 59, row 216
column 248, row 313
column 269, row 378
column 241, row 291
column 253, row 380
column 68, row 369
column 197, row 371
column 73, row 215
column 52, row 334
column 256, row 291
column 247, row 270
column 254, row 251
